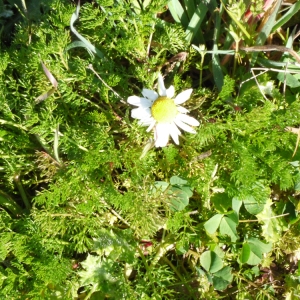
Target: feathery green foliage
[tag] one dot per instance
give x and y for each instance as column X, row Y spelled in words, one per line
column 85, row 213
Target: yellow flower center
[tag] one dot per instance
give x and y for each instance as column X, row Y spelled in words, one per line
column 164, row 110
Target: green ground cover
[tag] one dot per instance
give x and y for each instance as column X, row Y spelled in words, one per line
column 93, row 205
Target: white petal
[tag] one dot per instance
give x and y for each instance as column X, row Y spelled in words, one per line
column 182, row 109
column 161, row 134
column 174, row 132
column 149, row 94
column 184, row 126
column 138, row 101
column 151, row 126
column 187, row 119
column 161, row 86
column 170, row 91
column 141, row 113
column 146, row 122
column 134, row 100
column 175, row 128
column 182, row 97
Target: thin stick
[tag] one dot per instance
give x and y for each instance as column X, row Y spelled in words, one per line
column 264, row 70
column 274, row 217
column 268, row 48
column 150, row 39
column 297, row 143
column 258, row 85
column 115, row 213
column 91, row 68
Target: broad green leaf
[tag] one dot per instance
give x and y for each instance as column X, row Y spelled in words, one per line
column 252, row 251
column 101, row 273
column 254, row 258
column 252, row 206
column 271, row 227
column 228, row 227
column 179, row 200
column 209, row 277
column 211, row 262
column 219, row 283
column 236, row 204
column 187, row 190
column 177, row 180
column 92, row 266
column 245, row 254
column 225, row 273
column 222, row 278
column 263, row 247
column 221, row 202
column 213, row 223
column 267, row 63
column 295, row 163
column 179, row 195
column 200, row 271
column 232, row 215
column 255, row 250
column 114, row 245
column 160, row 186
column 289, row 79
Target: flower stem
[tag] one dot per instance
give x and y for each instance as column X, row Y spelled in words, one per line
column 179, row 276
column 22, row 192
column 7, row 202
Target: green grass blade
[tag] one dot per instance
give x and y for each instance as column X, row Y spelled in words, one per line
column 287, row 16
column 22, row 192
column 55, row 147
column 9, row 204
column 267, row 28
column 87, row 44
column 216, row 65
column 77, row 44
column 178, row 13
column 194, row 25
column 226, row 52
column 190, row 7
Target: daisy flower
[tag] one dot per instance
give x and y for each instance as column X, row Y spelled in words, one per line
column 163, row 114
